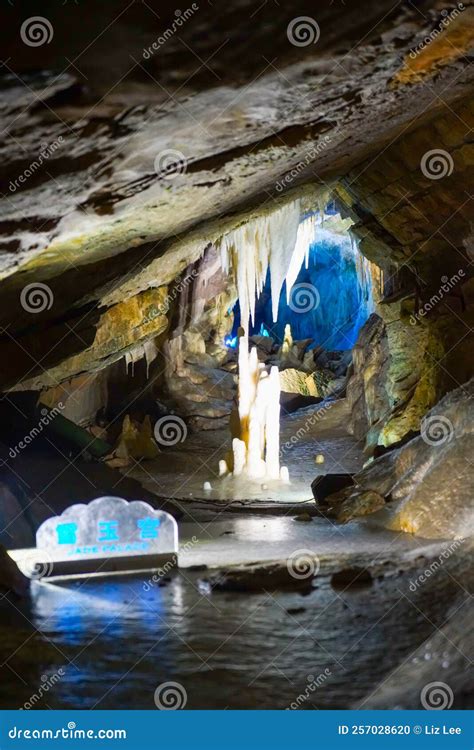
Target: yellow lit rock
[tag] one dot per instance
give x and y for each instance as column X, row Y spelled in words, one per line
column 450, row 40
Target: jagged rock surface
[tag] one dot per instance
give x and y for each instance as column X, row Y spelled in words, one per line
column 427, row 484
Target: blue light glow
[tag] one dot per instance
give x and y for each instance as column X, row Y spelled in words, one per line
column 344, row 293
column 230, row 341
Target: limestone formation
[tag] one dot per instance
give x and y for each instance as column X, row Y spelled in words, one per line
column 427, row 483
column 120, row 268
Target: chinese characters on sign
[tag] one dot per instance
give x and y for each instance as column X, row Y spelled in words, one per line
column 148, row 527
column 108, row 527
column 108, row 531
column 66, row 533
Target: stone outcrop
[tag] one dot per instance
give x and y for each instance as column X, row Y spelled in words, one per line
column 396, row 378
column 427, row 484
column 412, row 216
column 366, row 391
column 410, row 204
column 362, row 504
column 122, row 330
column 11, row 579
column 297, row 381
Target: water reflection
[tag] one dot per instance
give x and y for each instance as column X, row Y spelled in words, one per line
column 118, row 639
column 74, row 608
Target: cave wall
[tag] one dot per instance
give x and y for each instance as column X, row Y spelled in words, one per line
column 413, row 216
column 193, row 383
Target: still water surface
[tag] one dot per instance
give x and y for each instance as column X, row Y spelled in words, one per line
column 115, row 641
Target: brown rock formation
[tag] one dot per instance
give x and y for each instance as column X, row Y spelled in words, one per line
column 122, row 171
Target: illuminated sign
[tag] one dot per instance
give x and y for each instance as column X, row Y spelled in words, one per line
column 108, row 527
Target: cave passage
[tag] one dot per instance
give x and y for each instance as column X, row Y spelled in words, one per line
column 304, row 287
column 331, row 299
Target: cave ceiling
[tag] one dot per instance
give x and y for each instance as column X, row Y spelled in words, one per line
column 101, row 220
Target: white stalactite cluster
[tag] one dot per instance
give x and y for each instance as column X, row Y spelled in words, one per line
column 280, row 243
column 148, row 351
column 277, row 241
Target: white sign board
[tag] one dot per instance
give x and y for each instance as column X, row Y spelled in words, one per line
column 108, row 527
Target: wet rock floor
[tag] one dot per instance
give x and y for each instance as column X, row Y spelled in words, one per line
column 113, row 642
column 328, row 643
column 181, row 470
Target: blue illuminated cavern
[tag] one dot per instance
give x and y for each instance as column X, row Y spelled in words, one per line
column 341, row 277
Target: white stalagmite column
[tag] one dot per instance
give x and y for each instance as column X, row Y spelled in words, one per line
column 272, row 426
column 276, row 242
column 239, row 450
column 256, row 454
column 246, row 386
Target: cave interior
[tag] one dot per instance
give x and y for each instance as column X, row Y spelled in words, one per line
column 237, row 284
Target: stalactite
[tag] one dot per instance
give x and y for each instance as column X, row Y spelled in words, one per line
column 267, row 242
column 304, row 238
column 148, row 351
column 280, row 243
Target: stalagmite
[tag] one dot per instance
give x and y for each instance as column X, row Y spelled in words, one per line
column 287, row 340
column 256, row 452
column 279, row 243
column 222, row 468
